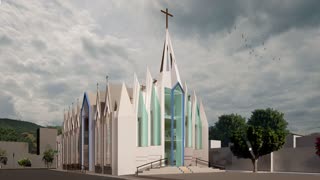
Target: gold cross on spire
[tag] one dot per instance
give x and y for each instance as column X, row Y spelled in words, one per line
column 167, row 14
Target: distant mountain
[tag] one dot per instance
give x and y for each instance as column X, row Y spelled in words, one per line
column 19, row 126
column 21, row 131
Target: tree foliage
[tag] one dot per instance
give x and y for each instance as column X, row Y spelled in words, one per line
column 48, row 156
column 226, row 125
column 7, row 134
column 318, row 146
column 265, row 132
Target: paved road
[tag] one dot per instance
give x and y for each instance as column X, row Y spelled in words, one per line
column 238, row 176
column 36, row 174
column 43, row 174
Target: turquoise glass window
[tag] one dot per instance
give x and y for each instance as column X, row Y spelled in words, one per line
column 198, row 129
column 167, row 125
column 189, row 123
column 155, row 119
column 142, row 123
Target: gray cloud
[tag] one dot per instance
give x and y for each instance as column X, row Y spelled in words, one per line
column 102, row 49
column 39, row 44
column 54, row 89
column 51, row 52
column 272, row 17
column 7, row 108
column 5, row 40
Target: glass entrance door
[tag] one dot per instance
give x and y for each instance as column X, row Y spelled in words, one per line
column 174, row 125
column 167, row 145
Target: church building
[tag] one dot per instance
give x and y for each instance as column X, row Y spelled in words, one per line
column 118, row 128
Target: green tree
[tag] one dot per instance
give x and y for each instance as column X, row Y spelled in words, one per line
column 318, row 146
column 31, row 140
column 8, row 134
column 265, row 132
column 48, row 156
column 226, row 125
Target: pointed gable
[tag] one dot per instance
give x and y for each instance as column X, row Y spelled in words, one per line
column 69, row 120
column 73, row 117
column 148, row 91
column 125, row 107
column 98, row 106
column 185, row 88
column 106, row 110
column 78, row 113
column 64, row 120
column 135, row 96
column 115, row 92
column 203, row 115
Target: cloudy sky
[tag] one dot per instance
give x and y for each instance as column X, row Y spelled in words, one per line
column 237, row 55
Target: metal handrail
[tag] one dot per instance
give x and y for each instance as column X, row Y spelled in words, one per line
column 209, row 164
column 198, row 159
column 150, row 163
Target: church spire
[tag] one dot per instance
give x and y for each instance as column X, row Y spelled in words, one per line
column 168, row 61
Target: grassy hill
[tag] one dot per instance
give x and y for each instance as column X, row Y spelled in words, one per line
column 20, row 126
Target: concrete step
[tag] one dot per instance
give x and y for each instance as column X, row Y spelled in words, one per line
column 197, row 169
column 185, row 169
column 179, row 170
column 162, row 170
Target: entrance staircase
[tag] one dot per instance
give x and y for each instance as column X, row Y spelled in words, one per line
column 179, row 170
column 160, row 167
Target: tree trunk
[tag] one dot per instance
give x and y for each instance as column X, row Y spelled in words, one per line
column 255, row 165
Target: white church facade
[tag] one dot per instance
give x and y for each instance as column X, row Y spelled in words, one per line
column 119, row 128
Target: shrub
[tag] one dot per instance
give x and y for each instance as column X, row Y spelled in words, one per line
column 25, row 162
column 48, row 157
